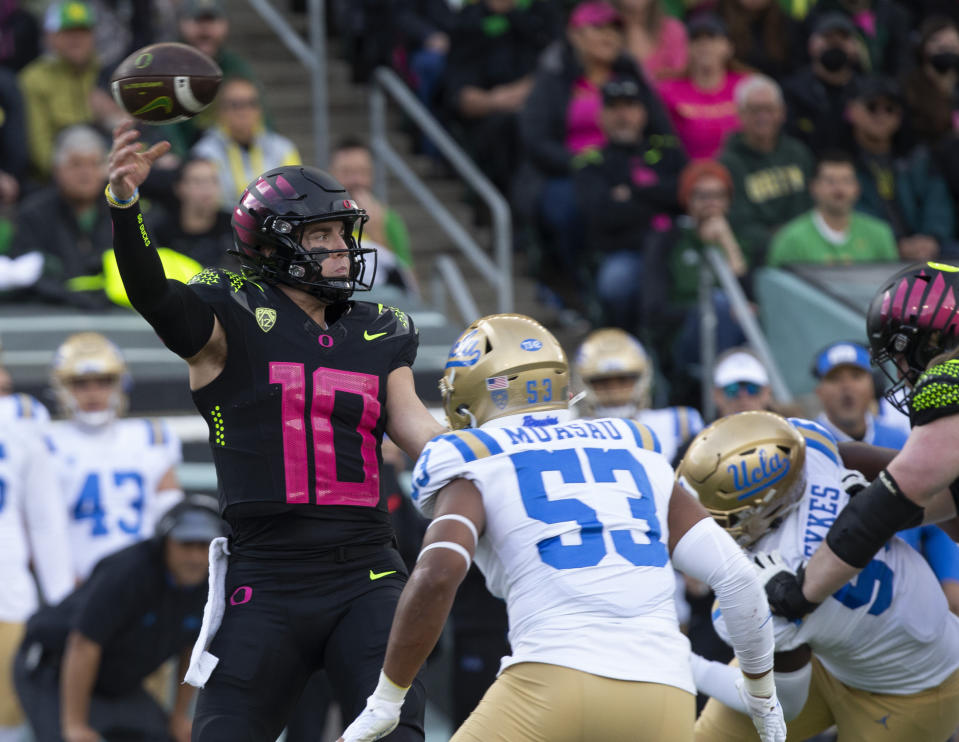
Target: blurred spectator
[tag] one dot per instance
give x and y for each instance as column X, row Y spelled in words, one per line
column 764, row 37
column 740, row 383
column 931, row 86
column 883, row 28
column 122, row 28
column 68, row 222
column 625, row 189
column 19, row 36
column 366, row 31
column 833, row 233
column 847, row 393
column 656, row 40
column 705, row 192
column 700, row 103
column 204, row 24
column 907, row 192
column 117, row 477
column 59, row 89
column 198, row 228
column 770, row 170
column 489, row 75
column 425, row 27
column 561, row 119
column 351, row 163
column 816, row 94
column 240, row 143
column 80, row 669
column 33, row 530
column 13, row 153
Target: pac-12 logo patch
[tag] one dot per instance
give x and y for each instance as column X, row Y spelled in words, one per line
column 531, row 344
column 265, row 318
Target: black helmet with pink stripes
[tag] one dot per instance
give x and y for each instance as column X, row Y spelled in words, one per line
column 913, row 318
column 268, row 225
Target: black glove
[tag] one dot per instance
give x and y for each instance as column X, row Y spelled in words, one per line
column 783, row 588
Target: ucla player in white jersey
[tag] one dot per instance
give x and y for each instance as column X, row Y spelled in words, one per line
column 616, row 377
column 573, row 524
column 19, row 406
column 117, row 477
column 880, row 659
column 33, row 530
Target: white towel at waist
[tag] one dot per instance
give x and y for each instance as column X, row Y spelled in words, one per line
column 202, row 663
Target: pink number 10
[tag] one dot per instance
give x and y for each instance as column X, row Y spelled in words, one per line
column 326, row 383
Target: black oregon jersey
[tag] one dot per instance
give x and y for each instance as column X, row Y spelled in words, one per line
column 936, row 394
column 297, row 416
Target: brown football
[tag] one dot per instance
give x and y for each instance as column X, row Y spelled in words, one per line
column 165, row 83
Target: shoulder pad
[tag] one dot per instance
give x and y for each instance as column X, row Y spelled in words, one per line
column 222, row 278
column 472, row 444
column 157, row 432
column 645, row 436
column 936, row 394
column 688, row 422
column 386, row 319
column 818, row 438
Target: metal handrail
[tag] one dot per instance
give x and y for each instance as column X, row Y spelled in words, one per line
column 448, row 281
column 498, row 272
column 716, row 265
column 313, row 57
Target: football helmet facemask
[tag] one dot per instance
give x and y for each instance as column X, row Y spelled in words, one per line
column 748, row 471
column 88, row 355
column 913, row 316
column 503, row 364
column 610, row 353
column 268, row 225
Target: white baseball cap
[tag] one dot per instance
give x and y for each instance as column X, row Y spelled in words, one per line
column 740, row 366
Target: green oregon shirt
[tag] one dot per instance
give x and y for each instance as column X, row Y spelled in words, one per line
column 799, row 241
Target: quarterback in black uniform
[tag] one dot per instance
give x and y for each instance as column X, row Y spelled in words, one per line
column 298, row 384
column 913, row 325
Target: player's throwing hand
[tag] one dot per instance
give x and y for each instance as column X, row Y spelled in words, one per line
column 129, row 163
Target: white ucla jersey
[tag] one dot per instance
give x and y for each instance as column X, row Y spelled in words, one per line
column 23, row 408
column 575, row 540
column 887, row 631
column 109, row 479
column 33, row 526
column 673, row 426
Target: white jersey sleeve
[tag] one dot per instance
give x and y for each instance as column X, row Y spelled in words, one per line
column 887, row 631
column 23, row 408
column 673, row 426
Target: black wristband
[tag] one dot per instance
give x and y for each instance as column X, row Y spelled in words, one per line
column 870, row 519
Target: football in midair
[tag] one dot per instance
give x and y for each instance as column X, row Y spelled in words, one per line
column 165, row 83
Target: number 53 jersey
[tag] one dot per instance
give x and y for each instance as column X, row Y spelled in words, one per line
column 887, row 631
column 575, row 541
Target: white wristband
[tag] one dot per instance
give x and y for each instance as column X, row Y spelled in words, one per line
column 762, row 687
column 388, row 691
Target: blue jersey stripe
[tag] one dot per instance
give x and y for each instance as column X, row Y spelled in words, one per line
column 823, row 448
column 488, row 441
column 465, row 451
column 645, row 437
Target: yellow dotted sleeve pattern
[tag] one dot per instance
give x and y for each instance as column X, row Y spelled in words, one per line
column 208, row 277
column 936, row 394
column 217, row 418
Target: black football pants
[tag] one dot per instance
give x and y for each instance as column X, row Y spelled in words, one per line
column 284, row 620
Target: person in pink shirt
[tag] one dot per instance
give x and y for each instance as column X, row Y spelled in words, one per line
column 701, row 104
column 656, row 40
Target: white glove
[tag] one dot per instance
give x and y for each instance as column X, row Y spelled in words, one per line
column 766, row 713
column 381, row 715
column 853, row 482
column 768, row 564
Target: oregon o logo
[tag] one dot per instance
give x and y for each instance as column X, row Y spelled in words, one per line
column 144, row 60
column 326, row 341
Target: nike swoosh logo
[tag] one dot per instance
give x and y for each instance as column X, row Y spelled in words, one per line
column 368, row 336
column 164, row 102
column 377, row 575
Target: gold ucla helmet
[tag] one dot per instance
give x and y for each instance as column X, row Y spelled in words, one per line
column 88, row 354
column 748, row 471
column 503, row 364
column 610, row 353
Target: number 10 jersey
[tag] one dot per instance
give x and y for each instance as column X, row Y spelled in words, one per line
column 297, row 416
column 575, row 541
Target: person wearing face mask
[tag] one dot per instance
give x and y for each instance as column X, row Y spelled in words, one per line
column 816, row 94
column 117, row 477
column 930, row 89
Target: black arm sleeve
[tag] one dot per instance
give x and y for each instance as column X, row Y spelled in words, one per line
column 183, row 322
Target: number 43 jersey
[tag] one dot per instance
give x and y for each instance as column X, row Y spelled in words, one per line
column 887, row 631
column 575, row 540
column 297, row 416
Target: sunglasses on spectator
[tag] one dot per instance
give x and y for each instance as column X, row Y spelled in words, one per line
column 875, row 106
column 732, row 390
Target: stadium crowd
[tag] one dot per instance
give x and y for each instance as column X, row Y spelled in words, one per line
column 628, row 136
